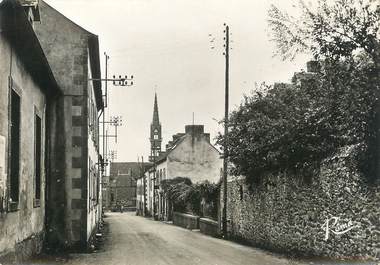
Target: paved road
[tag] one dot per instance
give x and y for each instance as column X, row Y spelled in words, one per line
column 136, row 240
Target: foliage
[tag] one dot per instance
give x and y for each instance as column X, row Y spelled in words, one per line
column 208, row 191
column 178, row 190
column 329, row 29
column 295, row 127
column 187, row 197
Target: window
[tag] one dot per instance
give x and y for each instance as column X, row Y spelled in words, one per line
column 38, row 153
column 155, row 134
column 15, row 149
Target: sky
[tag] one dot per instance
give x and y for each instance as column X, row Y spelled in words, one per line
column 165, row 45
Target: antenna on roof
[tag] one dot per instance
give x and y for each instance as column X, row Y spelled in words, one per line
column 193, row 118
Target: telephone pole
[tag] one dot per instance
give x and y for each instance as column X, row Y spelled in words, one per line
column 154, row 180
column 120, row 81
column 226, row 111
column 104, row 110
column 144, row 187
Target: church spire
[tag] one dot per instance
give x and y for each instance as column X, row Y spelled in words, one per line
column 156, row 119
column 155, row 133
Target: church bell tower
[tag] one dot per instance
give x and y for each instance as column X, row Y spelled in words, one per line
column 155, row 133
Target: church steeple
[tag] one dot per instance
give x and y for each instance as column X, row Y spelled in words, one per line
column 156, row 119
column 155, row 133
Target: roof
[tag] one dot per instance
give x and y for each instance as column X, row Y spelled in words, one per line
column 118, row 169
column 179, row 138
column 156, row 119
column 173, row 146
column 93, row 46
column 19, row 31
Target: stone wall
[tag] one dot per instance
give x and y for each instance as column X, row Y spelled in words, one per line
column 187, row 221
column 209, row 227
column 24, row 250
column 288, row 213
column 74, row 208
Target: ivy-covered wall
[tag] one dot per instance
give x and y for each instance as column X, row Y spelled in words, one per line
column 333, row 214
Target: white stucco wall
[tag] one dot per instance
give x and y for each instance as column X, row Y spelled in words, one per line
column 28, row 220
column 195, row 158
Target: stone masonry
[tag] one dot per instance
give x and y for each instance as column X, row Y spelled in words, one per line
column 288, row 213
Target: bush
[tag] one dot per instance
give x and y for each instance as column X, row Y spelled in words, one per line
column 295, row 127
column 187, row 197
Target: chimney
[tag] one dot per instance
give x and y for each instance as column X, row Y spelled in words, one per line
column 194, row 129
column 207, row 136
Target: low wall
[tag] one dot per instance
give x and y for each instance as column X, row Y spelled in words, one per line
column 187, row 221
column 333, row 214
column 24, row 250
column 209, row 227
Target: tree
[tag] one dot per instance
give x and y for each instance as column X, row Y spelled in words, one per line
column 330, row 29
column 294, row 127
column 335, row 32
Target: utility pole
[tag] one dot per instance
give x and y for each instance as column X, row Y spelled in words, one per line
column 104, row 111
column 154, row 180
column 112, row 155
column 137, row 193
column 121, row 81
column 115, row 121
column 226, row 111
column 144, row 186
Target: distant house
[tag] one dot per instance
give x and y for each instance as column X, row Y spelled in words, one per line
column 123, row 184
column 74, row 187
column 141, row 202
column 189, row 155
column 28, row 92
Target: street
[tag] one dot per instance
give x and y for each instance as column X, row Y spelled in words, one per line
column 135, row 240
column 140, row 241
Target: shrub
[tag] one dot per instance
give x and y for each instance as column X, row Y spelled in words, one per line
column 187, row 197
column 295, row 127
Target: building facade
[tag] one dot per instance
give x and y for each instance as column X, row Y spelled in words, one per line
column 123, row 184
column 28, row 91
column 188, row 155
column 74, row 189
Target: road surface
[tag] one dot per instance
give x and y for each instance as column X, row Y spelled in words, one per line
column 134, row 240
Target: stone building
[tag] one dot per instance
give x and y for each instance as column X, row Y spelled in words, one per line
column 123, row 184
column 141, row 204
column 74, row 187
column 28, row 94
column 189, row 155
column 123, row 178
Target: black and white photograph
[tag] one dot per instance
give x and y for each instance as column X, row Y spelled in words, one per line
column 189, row 132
